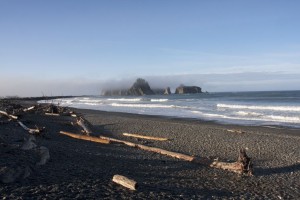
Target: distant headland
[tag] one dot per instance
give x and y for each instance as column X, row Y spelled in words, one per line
column 141, row 87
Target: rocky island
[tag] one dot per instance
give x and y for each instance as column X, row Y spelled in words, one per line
column 141, row 87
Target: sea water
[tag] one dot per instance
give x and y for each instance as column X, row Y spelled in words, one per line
column 279, row 108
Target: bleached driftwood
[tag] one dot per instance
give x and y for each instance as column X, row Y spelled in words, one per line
column 8, row 115
column 52, row 114
column 30, row 130
column 124, row 181
column 145, row 137
column 83, row 125
column 45, row 155
column 242, row 166
column 153, row 149
column 28, row 109
column 235, row 131
column 85, row 137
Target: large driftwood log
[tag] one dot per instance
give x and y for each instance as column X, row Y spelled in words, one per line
column 145, row 137
column 8, row 115
column 84, row 126
column 242, row 166
column 85, row 137
column 153, row 149
column 124, row 181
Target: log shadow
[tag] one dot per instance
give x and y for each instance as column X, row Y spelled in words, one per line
column 101, row 130
column 277, row 170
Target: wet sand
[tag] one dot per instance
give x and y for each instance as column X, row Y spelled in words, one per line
column 84, row 170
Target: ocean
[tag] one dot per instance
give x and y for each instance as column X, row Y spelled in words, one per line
column 273, row 108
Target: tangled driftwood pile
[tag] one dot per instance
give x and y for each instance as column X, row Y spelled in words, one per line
column 13, row 113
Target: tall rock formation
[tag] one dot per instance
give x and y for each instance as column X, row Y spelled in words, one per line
column 140, row 87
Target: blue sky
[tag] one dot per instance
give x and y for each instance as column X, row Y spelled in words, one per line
column 79, row 47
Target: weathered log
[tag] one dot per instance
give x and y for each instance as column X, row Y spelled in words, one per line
column 30, row 130
column 83, row 125
column 126, row 182
column 8, row 115
column 85, row 137
column 131, row 144
column 52, row 114
column 242, row 166
column 145, row 137
column 45, row 155
column 154, row 149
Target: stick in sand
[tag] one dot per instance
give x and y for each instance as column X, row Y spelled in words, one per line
column 145, row 137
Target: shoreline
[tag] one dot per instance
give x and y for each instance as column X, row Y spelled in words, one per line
column 276, row 129
column 81, row 169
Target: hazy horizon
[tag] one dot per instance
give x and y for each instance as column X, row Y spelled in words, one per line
column 75, row 47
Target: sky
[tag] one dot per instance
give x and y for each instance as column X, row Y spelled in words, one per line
column 77, row 47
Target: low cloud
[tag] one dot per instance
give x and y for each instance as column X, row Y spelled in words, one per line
column 209, row 82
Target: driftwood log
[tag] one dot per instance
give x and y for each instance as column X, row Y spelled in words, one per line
column 52, row 114
column 145, row 137
column 153, row 149
column 86, row 130
column 126, row 182
column 30, row 130
column 242, row 166
column 28, row 109
column 85, row 137
column 235, row 131
column 14, row 117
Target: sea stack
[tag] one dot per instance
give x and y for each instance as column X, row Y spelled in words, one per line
column 140, row 87
column 188, row 90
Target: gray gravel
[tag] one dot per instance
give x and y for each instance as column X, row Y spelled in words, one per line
column 83, row 170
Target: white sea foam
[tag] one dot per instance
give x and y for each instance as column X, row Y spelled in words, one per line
column 252, row 114
column 274, row 108
column 126, row 100
column 142, row 105
column 159, row 100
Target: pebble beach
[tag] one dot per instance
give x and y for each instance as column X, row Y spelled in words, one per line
column 80, row 169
